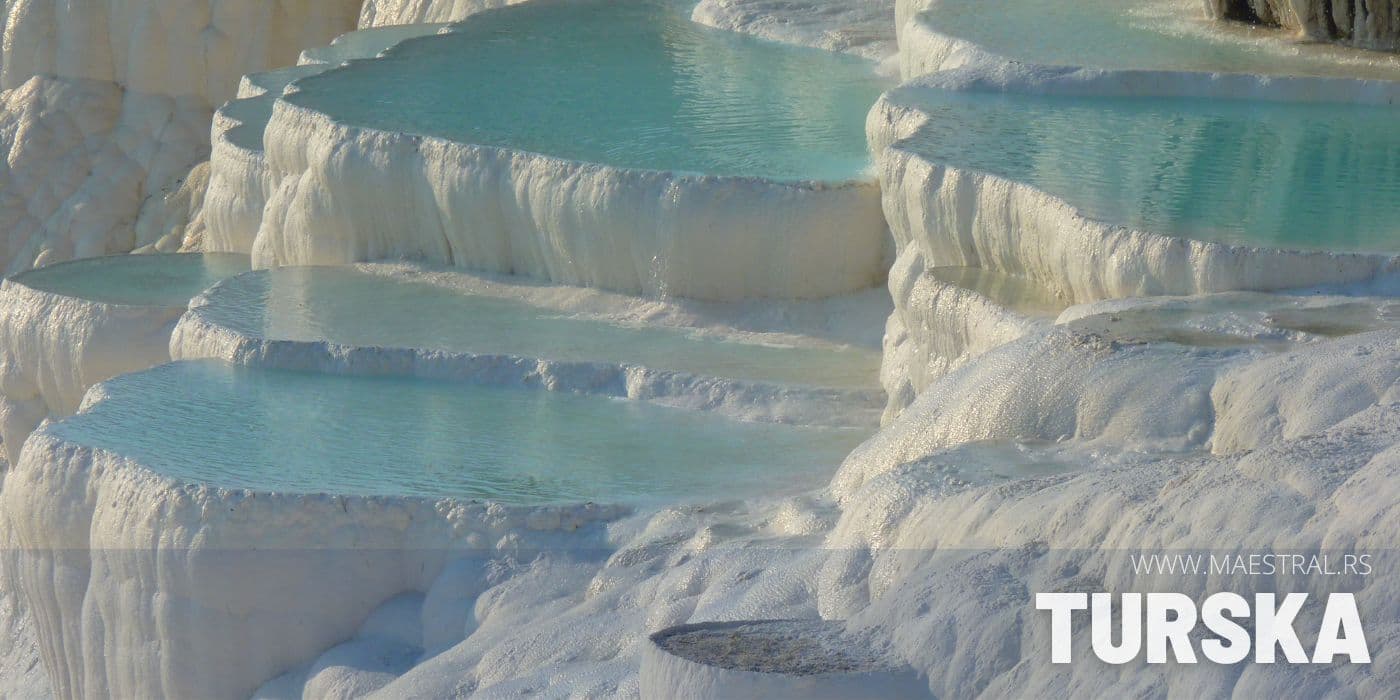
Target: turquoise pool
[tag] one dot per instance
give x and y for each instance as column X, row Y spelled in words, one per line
column 1290, row 175
column 140, row 280
column 631, row 84
column 292, row 432
column 350, row 306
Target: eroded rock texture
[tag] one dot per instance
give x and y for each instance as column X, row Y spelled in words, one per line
column 1373, row 24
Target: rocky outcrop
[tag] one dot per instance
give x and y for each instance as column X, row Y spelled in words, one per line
column 1371, row 24
column 105, row 111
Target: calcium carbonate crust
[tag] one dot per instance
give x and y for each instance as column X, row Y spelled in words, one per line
column 338, row 194
column 936, row 327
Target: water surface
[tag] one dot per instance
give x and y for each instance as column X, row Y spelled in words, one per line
column 349, row 306
column 166, row 279
column 631, row 84
column 297, row 432
column 1291, row 175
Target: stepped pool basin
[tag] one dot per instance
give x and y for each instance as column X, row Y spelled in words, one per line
column 1141, row 35
column 352, row 306
column 629, row 84
column 168, row 279
column 66, row 327
column 280, row 431
column 1279, row 175
column 366, row 43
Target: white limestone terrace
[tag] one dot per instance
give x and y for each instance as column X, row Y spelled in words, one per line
column 194, row 48
column 1160, row 35
column 750, row 195
column 68, row 326
column 442, row 324
column 322, row 565
column 166, row 454
column 1035, row 461
column 1126, row 234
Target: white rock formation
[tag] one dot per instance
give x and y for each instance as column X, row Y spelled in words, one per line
column 917, row 545
column 106, row 106
column 81, row 158
column 943, row 216
column 388, row 196
column 941, row 554
column 132, row 584
column 185, row 48
column 945, row 566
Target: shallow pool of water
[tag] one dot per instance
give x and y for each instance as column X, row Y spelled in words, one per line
column 140, row 280
column 349, row 306
column 1144, row 35
column 630, row 84
column 215, row 423
column 1320, row 176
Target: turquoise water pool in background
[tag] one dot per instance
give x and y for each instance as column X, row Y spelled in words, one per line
column 631, row 84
